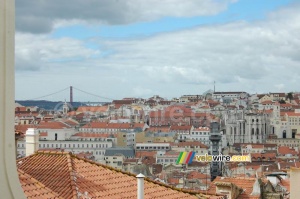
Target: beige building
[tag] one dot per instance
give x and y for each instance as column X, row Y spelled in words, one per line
column 294, row 182
column 285, row 142
column 115, row 161
column 125, row 139
column 195, row 146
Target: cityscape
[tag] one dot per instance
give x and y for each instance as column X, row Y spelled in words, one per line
column 149, row 99
column 164, row 140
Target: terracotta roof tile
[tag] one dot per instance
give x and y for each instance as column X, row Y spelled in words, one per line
column 245, row 183
column 104, row 125
column 69, row 176
column 175, row 128
column 33, row 188
column 283, row 150
column 95, row 109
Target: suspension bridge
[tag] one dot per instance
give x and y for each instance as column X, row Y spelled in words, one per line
column 97, row 99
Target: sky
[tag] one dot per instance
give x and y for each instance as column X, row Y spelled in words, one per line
column 140, row 48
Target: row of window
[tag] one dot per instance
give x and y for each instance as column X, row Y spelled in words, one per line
column 199, row 133
column 69, row 145
column 100, row 130
column 166, row 160
column 152, row 148
column 76, row 152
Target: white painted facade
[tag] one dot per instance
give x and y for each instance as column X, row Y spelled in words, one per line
column 97, row 148
column 114, row 161
column 57, row 134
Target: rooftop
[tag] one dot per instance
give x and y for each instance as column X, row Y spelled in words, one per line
column 65, row 175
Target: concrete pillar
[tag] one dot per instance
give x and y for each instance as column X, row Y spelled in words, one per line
column 140, row 186
column 10, row 186
column 32, row 141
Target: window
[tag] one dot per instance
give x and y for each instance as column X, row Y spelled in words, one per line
column 284, row 134
column 294, row 132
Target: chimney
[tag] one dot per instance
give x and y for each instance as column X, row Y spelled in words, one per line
column 140, row 186
column 32, row 141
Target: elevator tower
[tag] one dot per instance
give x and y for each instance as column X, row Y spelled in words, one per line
column 215, row 138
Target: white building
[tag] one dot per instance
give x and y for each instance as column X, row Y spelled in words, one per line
column 232, row 95
column 97, row 148
column 167, row 158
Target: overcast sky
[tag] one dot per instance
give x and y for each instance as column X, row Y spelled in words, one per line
column 140, row 48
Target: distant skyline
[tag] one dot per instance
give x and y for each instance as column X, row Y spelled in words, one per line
column 139, row 48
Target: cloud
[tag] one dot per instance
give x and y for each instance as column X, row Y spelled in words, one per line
column 35, row 52
column 258, row 56
column 41, row 16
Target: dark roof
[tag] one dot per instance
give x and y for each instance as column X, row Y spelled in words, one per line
column 127, row 152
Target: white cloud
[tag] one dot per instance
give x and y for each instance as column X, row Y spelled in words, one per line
column 259, row 56
column 34, row 52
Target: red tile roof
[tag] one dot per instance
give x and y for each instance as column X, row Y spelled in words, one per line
column 69, row 176
column 51, row 125
column 198, row 175
column 292, row 114
column 283, row 150
column 182, row 128
column 94, row 109
column 140, row 154
column 267, row 102
column 33, row 188
column 159, row 129
column 23, row 128
column 245, row 183
column 43, row 133
column 104, row 125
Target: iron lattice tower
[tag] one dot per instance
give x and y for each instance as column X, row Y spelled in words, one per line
column 215, row 138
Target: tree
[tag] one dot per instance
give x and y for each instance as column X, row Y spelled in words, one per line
column 290, row 96
column 282, row 101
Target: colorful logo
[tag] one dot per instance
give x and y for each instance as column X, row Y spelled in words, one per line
column 185, row 157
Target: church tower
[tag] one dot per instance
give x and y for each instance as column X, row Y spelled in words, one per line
column 65, row 108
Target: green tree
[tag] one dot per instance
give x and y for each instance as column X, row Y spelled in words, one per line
column 290, row 96
column 282, row 101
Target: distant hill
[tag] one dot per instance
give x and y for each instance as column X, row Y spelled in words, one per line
column 47, row 105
